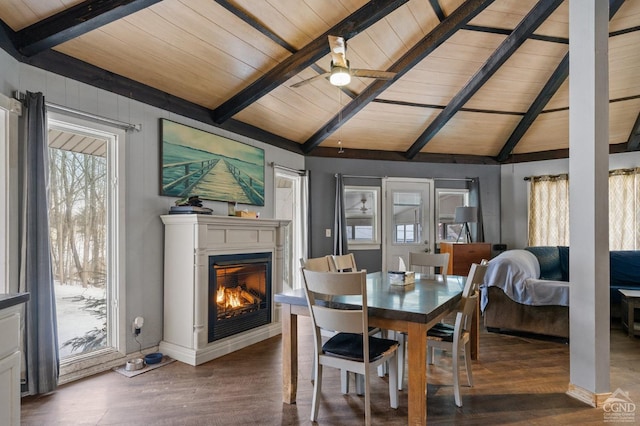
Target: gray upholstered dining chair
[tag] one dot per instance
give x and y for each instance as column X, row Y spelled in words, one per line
column 351, row 348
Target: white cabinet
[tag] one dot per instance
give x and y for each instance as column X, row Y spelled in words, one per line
column 10, row 359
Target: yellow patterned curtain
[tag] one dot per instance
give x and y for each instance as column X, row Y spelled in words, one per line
column 549, row 211
column 624, row 209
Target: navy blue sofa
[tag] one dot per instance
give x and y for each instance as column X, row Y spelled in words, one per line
column 624, row 267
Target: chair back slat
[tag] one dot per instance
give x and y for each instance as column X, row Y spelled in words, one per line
column 341, row 321
column 428, row 262
column 475, row 278
column 343, row 263
column 468, row 309
column 333, row 316
column 321, row 264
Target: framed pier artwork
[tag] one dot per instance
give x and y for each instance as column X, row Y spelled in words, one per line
column 195, row 162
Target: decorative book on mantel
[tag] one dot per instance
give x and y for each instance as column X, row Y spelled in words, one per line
column 191, row 205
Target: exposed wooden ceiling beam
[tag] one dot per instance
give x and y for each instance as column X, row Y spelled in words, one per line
column 74, row 22
column 253, row 22
column 506, row 32
column 355, row 23
column 83, row 72
column 419, row 105
column 365, row 154
column 550, row 88
column 531, row 21
column 463, row 14
column 634, row 137
column 435, row 5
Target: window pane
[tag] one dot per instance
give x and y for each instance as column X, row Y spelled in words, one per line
column 78, row 221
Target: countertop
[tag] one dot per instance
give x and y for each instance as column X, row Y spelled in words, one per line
column 10, row 299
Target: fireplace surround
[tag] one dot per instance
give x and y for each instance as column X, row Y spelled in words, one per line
column 195, row 247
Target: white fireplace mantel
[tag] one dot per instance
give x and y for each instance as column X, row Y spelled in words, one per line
column 189, row 240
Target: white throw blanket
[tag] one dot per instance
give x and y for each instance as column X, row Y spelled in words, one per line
column 517, row 273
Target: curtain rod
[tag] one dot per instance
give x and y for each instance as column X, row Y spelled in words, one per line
column 382, row 177
column 289, row 169
column 563, row 175
column 20, row 96
column 360, row 177
column 122, row 124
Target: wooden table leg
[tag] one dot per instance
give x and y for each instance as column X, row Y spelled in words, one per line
column 289, row 354
column 475, row 332
column 417, row 367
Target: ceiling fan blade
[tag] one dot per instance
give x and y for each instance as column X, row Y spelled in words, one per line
column 338, row 51
column 312, row 79
column 382, row 75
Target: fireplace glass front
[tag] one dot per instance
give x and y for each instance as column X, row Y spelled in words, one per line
column 239, row 293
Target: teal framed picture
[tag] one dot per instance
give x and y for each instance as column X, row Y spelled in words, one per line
column 196, row 162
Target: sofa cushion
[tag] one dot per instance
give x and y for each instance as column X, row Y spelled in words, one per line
column 549, row 259
column 563, row 252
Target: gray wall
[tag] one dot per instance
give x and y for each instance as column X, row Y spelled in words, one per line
column 322, row 193
column 144, row 243
column 515, row 191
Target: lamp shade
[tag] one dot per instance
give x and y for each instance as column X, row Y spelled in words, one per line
column 466, row 214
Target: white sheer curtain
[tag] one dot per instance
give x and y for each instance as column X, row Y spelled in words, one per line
column 624, row 209
column 549, row 211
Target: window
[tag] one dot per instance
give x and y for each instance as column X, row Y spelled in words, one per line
column 362, row 207
column 86, row 196
column 291, row 203
column 446, row 202
column 549, row 210
column 10, row 110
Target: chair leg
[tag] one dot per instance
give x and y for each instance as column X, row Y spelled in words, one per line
column 360, row 385
column 456, row 375
column 402, row 340
column 367, row 397
column 431, row 354
column 382, row 368
column 467, row 362
column 317, row 385
column 393, row 378
column 344, row 381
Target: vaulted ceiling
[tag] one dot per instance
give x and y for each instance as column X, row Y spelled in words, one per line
column 476, row 81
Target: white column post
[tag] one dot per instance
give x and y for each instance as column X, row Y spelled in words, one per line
column 588, row 200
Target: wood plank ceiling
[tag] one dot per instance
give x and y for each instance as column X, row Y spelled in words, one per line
column 477, row 80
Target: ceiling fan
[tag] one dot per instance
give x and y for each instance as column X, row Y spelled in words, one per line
column 341, row 72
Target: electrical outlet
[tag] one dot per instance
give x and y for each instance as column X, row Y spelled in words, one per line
column 327, row 233
column 137, row 325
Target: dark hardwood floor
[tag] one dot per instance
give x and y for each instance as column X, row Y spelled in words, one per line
column 518, row 380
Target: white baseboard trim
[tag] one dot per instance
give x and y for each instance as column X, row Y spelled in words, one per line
column 220, row 347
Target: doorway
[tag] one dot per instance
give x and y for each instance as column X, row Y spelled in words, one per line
column 407, row 220
column 291, row 203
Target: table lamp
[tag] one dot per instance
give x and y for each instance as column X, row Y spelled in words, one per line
column 465, row 215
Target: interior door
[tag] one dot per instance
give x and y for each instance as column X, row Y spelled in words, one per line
column 407, row 219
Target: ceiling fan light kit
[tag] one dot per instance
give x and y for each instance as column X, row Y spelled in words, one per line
column 340, row 76
column 341, row 72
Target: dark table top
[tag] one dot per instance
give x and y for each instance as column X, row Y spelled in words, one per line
column 420, row 302
column 10, row 299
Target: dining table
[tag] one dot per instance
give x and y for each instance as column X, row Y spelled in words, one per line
column 410, row 308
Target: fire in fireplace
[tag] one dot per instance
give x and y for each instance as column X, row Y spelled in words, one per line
column 239, row 293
